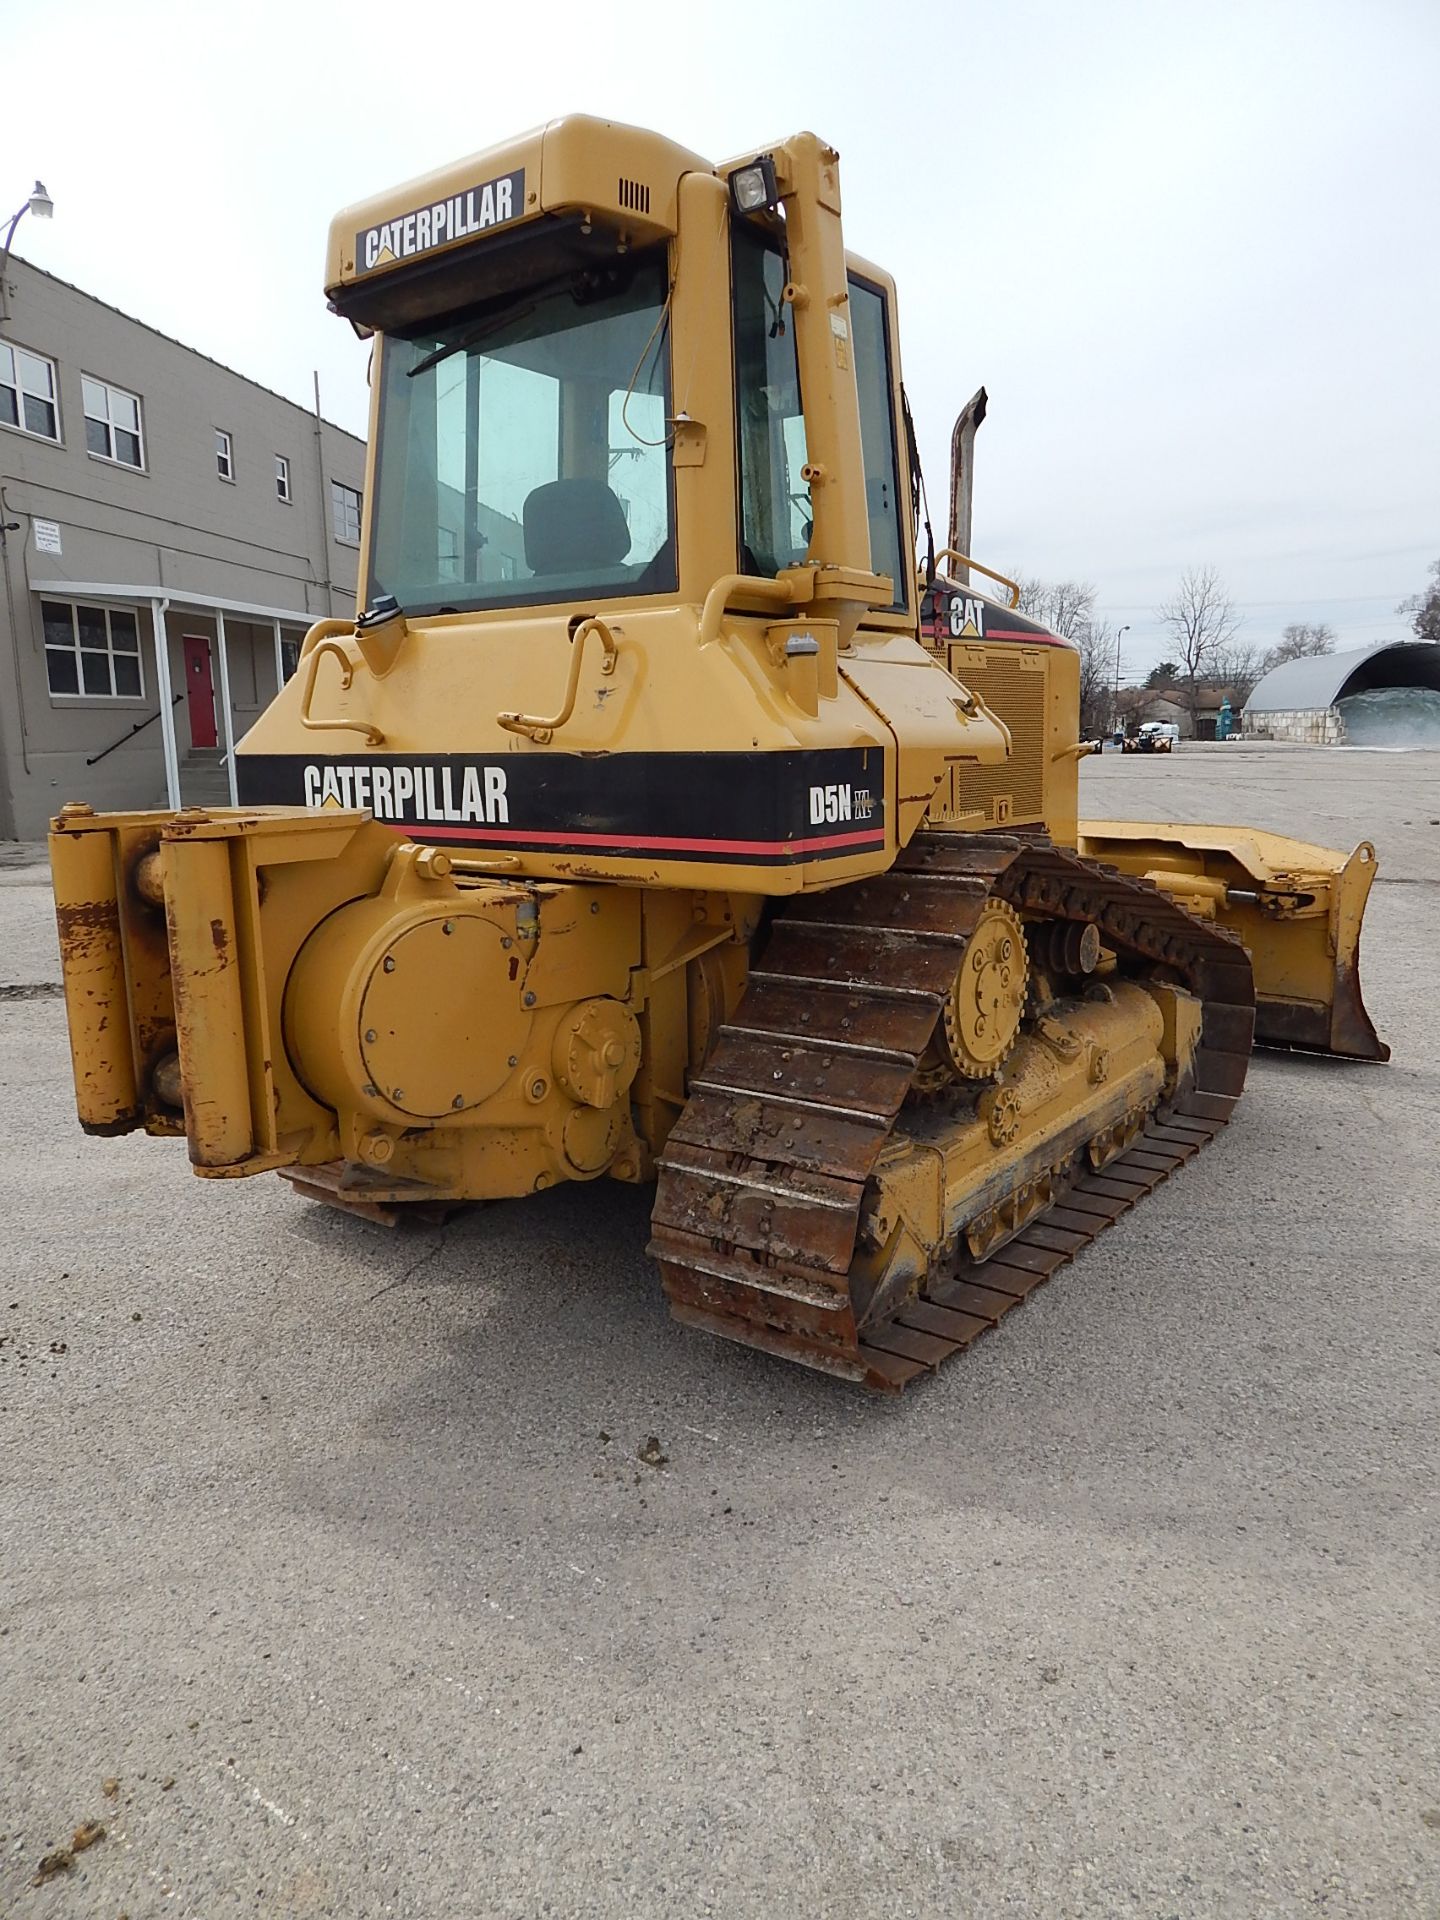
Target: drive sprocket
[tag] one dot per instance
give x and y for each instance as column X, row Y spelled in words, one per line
column 980, row 1022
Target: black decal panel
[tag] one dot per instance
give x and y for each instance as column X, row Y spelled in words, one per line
column 754, row 808
column 950, row 614
column 456, row 216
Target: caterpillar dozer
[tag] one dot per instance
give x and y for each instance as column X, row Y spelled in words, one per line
column 660, row 818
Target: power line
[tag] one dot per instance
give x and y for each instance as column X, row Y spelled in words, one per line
column 1291, row 600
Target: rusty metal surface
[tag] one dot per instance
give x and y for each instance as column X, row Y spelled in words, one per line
column 806, row 1083
column 753, row 1129
column 1344, row 1027
column 322, row 1185
column 805, row 1073
column 763, row 1184
column 777, row 1007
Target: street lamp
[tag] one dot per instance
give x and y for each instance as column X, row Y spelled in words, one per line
column 1122, row 631
column 42, row 206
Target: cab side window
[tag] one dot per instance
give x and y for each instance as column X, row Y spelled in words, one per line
column 870, row 333
column 775, row 516
column 775, row 512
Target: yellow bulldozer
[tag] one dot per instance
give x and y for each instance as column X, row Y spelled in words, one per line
column 661, row 819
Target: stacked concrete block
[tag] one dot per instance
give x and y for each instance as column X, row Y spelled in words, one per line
column 1310, row 726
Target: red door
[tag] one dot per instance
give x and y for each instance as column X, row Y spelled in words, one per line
column 200, row 691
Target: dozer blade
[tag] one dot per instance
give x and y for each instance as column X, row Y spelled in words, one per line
column 1297, row 908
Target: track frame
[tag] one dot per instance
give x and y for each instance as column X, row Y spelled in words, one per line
column 763, row 1182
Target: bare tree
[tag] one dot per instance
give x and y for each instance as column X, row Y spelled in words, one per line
column 1202, row 620
column 1237, row 668
column 1426, row 607
column 1096, row 643
column 1072, row 608
column 1300, row 642
column 1138, row 704
column 1067, row 607
column 1032, row 591
column 1064, row 606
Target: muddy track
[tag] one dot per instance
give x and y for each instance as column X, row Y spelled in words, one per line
column 763, row 1180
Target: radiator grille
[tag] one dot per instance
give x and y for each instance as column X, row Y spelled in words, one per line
column 1012, row 682
column 634, row 196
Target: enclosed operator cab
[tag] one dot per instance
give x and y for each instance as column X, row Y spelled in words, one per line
column 640, row 494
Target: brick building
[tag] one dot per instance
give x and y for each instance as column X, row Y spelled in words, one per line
column 148, row 492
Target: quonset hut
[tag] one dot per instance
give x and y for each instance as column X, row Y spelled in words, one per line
column 1317, row 700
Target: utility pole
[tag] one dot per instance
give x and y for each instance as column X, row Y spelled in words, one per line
column 1122, row 630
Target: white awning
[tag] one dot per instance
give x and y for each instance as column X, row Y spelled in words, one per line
column 177, row 597
column 160, row 599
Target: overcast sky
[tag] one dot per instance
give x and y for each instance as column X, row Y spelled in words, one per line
column 1189, row 248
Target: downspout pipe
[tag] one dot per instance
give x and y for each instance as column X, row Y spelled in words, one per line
column 7, row 527
column 324, row 501
column 161, row 639
column 228, row 717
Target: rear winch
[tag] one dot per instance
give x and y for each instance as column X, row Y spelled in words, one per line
column 459, row 1025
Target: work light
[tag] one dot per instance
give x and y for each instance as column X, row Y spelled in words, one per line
column 753, row 188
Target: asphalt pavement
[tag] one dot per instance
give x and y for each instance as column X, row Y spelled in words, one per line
column 333, row 1582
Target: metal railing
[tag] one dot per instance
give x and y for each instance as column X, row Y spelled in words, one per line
column 139, row 727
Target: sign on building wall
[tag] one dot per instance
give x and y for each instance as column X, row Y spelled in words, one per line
column 47, row 536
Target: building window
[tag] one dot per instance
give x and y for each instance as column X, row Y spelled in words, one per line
column 345, row 513
column 224, row 458
column 290, row 657
column 94, row 651
column 112, row 423
column 27, row 393
column 282, row 477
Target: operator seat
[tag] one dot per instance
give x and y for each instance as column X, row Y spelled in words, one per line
column 574, row 526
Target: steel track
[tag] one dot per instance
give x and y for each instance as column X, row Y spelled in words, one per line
column 763, row 1180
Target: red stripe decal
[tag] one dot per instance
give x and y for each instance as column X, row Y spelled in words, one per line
column 492, row 837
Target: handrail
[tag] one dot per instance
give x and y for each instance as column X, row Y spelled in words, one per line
column 779, row 591
column 139, row 727
column 951, row 553
column 540, row 730
column 323, row 630
column 373, row 735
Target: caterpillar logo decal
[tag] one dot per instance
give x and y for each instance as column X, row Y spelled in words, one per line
column 949, row 615
column 404, row 794
column 407, row 235
column 762, row 808
column 967, row 617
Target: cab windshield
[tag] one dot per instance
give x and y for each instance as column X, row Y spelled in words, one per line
column 523, row 450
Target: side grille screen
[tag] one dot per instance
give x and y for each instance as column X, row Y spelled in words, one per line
column 1017, row 693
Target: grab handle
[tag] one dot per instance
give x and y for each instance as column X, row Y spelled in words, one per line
column 950, row 553
column 541, row 730
column 373, row 735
